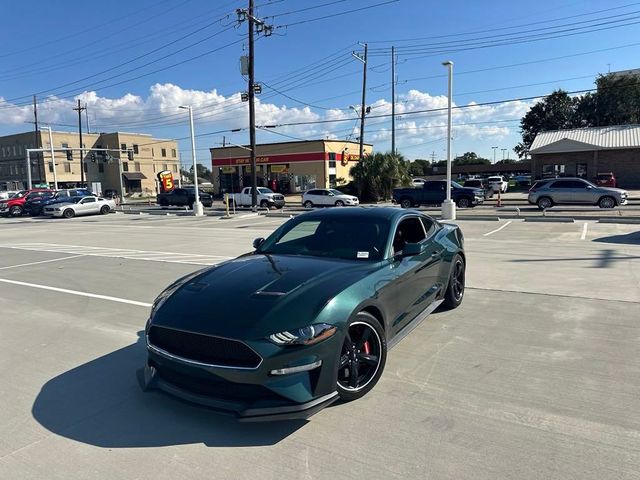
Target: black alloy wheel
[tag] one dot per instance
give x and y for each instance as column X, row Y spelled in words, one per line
column 455, row 290
column 544, row 203
column 308, row 204
column 68, row 213
column 339, row 203
column 607, row 202
column 16, row 211
column 264, row 204
column 406, row 203
column 463, row 202
column 362, row 358
column 104, row 210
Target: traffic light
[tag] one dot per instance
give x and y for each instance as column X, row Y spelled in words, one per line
column 93, row 156
column 69, row 155
column 130, row 155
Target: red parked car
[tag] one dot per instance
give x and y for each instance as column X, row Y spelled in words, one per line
column 605, row 180
column 14, row 206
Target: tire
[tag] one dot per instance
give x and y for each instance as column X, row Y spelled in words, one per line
column 607, row 202
column 352, row 382
column 190, row 205
column 463, row 202
column 105, row 209
column 16, row 211
column 308, row 204
column 455, row 288
column 544, row 203
column 68, row 213
column 406, row 203
column 339, row 203
column 264, row 204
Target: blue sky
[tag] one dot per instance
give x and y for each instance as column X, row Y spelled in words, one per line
column 133, row 63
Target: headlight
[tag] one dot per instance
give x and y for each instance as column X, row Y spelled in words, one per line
column 304, row 336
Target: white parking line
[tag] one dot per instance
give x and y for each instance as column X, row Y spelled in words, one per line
column 496, row 230
column 76, row 292
column 38, row 263
column 584, row 231
column 129, row 254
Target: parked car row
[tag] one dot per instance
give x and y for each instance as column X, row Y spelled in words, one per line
column 434, row 192
column 57, row 203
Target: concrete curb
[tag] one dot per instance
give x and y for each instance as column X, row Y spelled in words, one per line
column 550, row 219
column 484, row 218
column 623, row 220
column 281, row 214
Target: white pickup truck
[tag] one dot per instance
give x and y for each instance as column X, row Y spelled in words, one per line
column 266, row 198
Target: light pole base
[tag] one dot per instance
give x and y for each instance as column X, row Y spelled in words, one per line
column 448, row 210
column 198, row 209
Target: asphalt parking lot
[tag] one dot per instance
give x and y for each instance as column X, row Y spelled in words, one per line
column 536, row 375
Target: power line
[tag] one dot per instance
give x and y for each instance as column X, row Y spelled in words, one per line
column 333, row 15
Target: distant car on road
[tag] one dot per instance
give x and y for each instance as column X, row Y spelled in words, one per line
column 575, row 191
column 35, row 206
column 4, row 195
column 417, row 182
column 182, row 197
column 327, row 197
column 14, row 206
column 76, row 206
column 480, row 184
column 266, row 198
column 605, row 180
column 433, row 192
column 498, row 184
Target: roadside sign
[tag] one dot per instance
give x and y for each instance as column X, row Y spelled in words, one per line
column 165, row 178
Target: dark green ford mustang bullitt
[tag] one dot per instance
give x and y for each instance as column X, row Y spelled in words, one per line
column 305, row 319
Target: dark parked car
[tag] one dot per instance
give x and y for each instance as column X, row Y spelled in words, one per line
column 181, row 197
column 434, row 192
column 306, row 318
column 479, row 184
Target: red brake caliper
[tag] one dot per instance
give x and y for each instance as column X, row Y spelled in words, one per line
column 367, row 347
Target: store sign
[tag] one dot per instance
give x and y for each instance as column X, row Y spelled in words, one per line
column 165, row 178
column 228, row 169
column 279, row 169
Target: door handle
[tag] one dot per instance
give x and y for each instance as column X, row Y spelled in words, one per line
column 436, row 254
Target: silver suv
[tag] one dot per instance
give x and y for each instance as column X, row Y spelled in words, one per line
column 574, row 191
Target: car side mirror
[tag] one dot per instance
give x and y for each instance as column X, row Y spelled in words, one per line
column 411, row 249
column 257, row 242
column 589, row 187
column 331, row 194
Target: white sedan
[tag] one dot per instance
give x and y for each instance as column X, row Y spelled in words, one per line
column 325, row 197
column 81, row 206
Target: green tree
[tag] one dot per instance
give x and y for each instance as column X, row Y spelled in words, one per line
column 617, row 101
column 419, row 167
column 377, row 175
column 555, row 112
column 470, row 158
column 506, row 161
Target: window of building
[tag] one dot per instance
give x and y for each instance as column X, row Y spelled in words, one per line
column 125, row 166
column 174, row 154
column 14, row 150
column 581, row 170
column 135, row 149
column 50, row 167
column 153, row 152
column 123, row 147
column 136, row 166
column 164, row 152
column 332, row 164
column 67, row 167
column 101, row 167
column 175, row 168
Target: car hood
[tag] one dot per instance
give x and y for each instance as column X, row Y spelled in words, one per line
column 470, row 190
column 256, row 295
column 618, row 191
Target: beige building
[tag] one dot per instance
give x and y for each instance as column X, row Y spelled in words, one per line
column 286, row 167
column 102, row 169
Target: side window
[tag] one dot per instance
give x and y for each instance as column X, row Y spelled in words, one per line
column 409, row 230
column 434, row 186
column 578, row 184
column 562, row 184
column 88, row 200
column 429, row 226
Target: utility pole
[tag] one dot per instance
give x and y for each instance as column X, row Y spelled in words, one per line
column 86, row 117
column 448, row 207
column 37, row 142
column 53, row 159
column 80, row 109
column 364, row 99
column 252, row 114
column 393, row 100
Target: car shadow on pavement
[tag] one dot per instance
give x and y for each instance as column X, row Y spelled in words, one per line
column 101, row 403
column 632, row 238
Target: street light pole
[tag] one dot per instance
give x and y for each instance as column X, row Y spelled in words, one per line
column 448, row 207
column 494, row 154
column 53, row 159
column 197, row 206
column 503, row 150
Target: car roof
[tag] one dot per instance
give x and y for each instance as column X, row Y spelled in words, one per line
column 382, row 213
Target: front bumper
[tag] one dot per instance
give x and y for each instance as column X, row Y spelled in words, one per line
column 250, row 394
column 278, row 203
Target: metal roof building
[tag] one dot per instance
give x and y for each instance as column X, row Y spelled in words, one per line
column 585, row 152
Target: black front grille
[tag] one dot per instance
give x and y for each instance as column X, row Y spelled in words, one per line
column 215, row 387
column 204, row 348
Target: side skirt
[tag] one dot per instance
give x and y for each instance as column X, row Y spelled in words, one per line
column 414, row 323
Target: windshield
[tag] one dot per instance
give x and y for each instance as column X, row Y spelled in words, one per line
column 336, row 192
column 455, row 184
column 346, row 237
column 264, row 190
